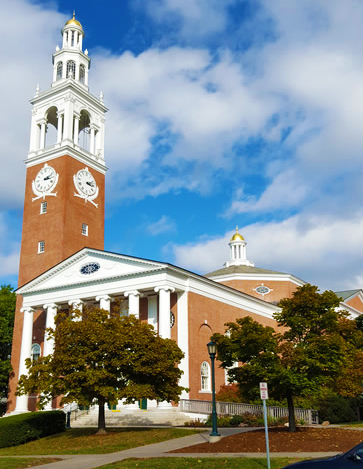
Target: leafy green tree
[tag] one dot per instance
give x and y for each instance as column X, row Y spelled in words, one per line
column 7, row 310
column 316, row 344
column 105, row 358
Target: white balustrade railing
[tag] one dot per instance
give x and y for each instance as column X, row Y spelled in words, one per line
column 309, row 416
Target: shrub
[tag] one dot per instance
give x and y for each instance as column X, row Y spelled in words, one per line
column 236, row 420
column 19, row 429
column 335, row 409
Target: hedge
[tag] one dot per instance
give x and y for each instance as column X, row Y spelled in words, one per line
column 18, row 429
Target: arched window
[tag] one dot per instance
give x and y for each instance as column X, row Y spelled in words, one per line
column 82, row 73
column 35, row 352
column 71, row 69
column 59, row 70
column 205, row 376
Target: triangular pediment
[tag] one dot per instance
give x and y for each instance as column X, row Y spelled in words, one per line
column 89, row 266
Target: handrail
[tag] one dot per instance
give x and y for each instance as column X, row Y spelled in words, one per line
column 309, row 416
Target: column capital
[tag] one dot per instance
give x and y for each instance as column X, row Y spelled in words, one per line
column 133, row 293
column 27, row 309
column 165, row 288
column 103, row 297
column 75, row 303
column 50, row 305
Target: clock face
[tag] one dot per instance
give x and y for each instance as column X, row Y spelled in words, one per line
column 46, row 179
column 85, row 182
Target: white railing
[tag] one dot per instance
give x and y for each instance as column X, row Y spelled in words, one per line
column 309, row 416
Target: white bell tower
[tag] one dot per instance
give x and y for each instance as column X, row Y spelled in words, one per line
column 67, row 118
column 237, row 247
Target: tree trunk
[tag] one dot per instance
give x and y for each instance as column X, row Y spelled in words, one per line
column 101, row 416
column 290, row 405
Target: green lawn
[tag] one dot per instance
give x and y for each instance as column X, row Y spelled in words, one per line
column 86, row 441
column 207, row 463
column 20, row 463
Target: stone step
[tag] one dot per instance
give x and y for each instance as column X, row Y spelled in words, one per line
column 136, row 417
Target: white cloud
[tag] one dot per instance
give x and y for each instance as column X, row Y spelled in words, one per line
column 163, row 225
column 317, row 249
column 195, row 18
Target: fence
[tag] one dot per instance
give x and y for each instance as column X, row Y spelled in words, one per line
column 309, row 416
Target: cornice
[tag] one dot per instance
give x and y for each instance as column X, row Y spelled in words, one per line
column 260, row 276
column 57, row 150
column 69, row 85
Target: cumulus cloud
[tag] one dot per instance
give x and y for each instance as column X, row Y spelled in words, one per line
column 319, row 250
column 192, row 18
column 163, row 225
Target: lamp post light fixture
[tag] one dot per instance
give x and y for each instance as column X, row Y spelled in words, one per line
column 214, row 436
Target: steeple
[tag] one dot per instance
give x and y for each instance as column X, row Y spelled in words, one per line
column 70, row 61
column 237, row 247
column 67, row 118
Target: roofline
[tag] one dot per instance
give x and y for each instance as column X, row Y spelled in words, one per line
column 166, row 265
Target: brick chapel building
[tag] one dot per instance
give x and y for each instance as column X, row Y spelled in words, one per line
column 63, row 264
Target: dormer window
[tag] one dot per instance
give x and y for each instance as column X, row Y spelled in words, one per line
column 71, row 69
column 82, row 73
column 59, row 70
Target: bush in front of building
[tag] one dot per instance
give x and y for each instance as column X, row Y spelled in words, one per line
column 18, row 429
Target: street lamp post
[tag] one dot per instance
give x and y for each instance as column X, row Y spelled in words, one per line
column 214, row 436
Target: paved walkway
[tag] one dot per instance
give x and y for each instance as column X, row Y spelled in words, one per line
column 160, row 450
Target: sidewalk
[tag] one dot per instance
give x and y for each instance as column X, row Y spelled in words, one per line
column 160, row 450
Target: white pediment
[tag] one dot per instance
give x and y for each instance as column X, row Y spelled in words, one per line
column 89, row 266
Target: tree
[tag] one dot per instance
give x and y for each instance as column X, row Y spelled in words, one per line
column 315, row 346
column 7, row 310
column 104, row 358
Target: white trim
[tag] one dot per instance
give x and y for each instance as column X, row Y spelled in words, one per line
column 278, row 277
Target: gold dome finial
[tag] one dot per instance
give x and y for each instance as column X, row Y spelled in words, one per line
column 74, row 21
column 237, row 236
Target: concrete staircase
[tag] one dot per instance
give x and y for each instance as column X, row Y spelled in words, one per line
column 133, row 417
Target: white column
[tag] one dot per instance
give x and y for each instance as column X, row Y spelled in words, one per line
column 183, row 340
column 42, row 133
column 76, row 304
column 92, row 143
column 25, row 352
column 80, row 41
column 134, row 302
column 105, row 302
column 164, row 310
column 64, row 40
column 76, row 129
column 86, row 77
column 164, row 323
column 49, row 341
column 49, row 323
column 152, row 311
column 60, row 127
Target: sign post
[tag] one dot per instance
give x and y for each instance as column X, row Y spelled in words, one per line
column 264, row 396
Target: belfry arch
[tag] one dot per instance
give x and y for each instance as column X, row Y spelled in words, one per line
column 51, row 118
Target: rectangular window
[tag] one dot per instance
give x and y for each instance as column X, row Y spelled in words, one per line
column 84, row 229
column 41, row 247
column 43, row 207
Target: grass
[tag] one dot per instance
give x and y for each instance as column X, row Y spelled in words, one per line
column 20, row 463
column 208, row 463
column 86, row 441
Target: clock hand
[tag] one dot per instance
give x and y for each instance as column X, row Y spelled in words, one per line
column 48, row 177
column 90, row 183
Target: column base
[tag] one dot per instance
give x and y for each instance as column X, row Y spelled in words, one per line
column 214, row 438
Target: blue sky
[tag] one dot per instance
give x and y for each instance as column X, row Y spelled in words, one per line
column 221, row 113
